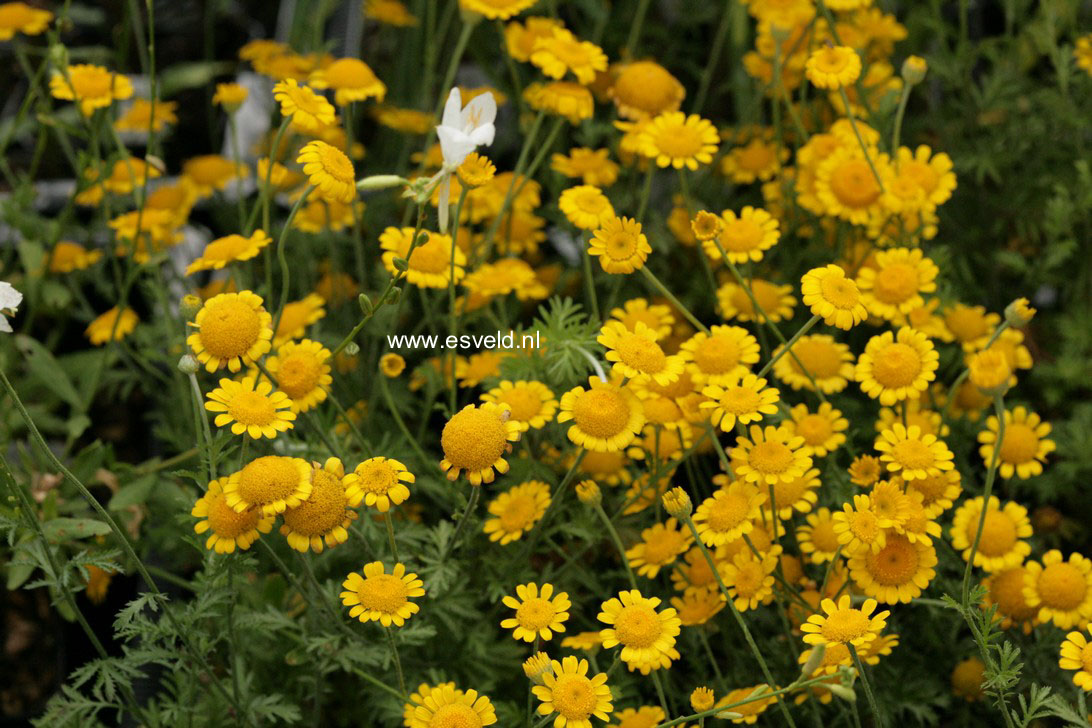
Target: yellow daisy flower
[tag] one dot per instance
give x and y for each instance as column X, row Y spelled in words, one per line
column 657, row 317
column 846, row 187
column 210, row 172
column 715, row 357
column 255, row 410
column 775, row 300
column 897, row 366
column 1005, row 589
column 1060, row 590
column 351, row 79
column 677, row 140
column 865, row 470
column 476, row 439
column 1001, row 545
column 841, row 624
column 833, row 67
column 227, row 528
column 309, row 111
column 822, row 430
column 324, row 516
column 829, row 362
column 143, row 115
column 620, row 245
column 429, row 265
column 605, row 417
column 230, row 96
column 644, row 89
column 647, row 636
column 911, row 454
column 830, row 294
column 297, row 316
column 376, row 596
column 562, row 98
column 729, row 513
column 568, row 691
column 637, row 355
column 233, row 330
column 19, row 17
column 938, row 492
column 750, row 579
column 796, row 495
column 858, row 527
column 111, row 325
column 817, row 538
column 562, row 52
column 898, row 572
column 970, row 325
column 516, row 511
column 229, row 249
column 530, row 403
column 445, row 705
column 586, row 207
column 659, row 546
column 379, row 482
column 745, row 237
column 67, row 257
column 329, row 170
column 92, row 87
column 271, row 484
column 1024, row 447
column 895, row 285
column 1076, row 654
column 539, row 612
column 592, row 166
column 301, row 370
column 771, row 454
column 743, row 398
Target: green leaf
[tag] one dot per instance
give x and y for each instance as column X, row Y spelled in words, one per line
column 63, row 529
column 191, row 75
column 47, row 370
column 134, row 493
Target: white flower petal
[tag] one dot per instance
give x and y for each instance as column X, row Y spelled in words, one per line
column 452, row 109
column 481, row 110
column 9, row 297
column 454, row 145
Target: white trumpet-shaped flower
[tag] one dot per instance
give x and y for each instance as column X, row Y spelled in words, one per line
column 9, row 301
column 461, row 131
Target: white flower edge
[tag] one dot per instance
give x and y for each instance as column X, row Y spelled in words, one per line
column 461, row 131
column 9, row 302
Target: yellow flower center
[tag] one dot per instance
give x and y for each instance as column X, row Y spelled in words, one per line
column 252, row 408
column 923, row 175
column 432, row 257
column 896, row 365
column 226, row 523
column 621, row 245
column 896, row 283
column 679, row 141
column 913, row 454
column 864, row 525
column 771, row 457
column 536, row 613
column 601, row 413
column 646, row 86
column 590, row 201
column 336, row 164
column 717, row 355
column 788, row 492
column 324, row 509
column 455, row 715
column 663, row 547
column 823, row 536
column 268, row 479
column 895, row 564
column 740, row 400
column 815, row 429
column 89, row 83
column 298, row 374
column 1086, row 657
column 1020, row 443
column 741, row 235
column 1062, row 586
column 749, row 579
column 638, row 352
column 1007, row 590
column 728, row 511
column 523, row 403
column 518, row 513
column 845, row 625
column 574, row 697
column 998, row 533
column 821, row 358
column 376, row 477
column 854, row 184
column 474, row 439
column 638, row 626
column 229, row 328
column 384, row 593
column 840, row 292
column 831, row 60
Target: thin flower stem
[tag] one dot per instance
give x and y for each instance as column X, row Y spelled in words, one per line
column 397, row 660
column 635, row 29
column 390, row 535
column 285, row 273
column 122, row 538
column 860, row 140
column 651, row 278
column 713, row 58
column 991, row 475
column 400, row 422
column 712, row 658
column 646, row 192
column 589, row 279
column 739, row 620
column 617, row 544
column 265, row 190
column 800, row 685
column 876, row 717
column 468, row 512
column 904, row 99
column 788, row 346
column 658, row 682
column 201, row 424
column 453, row 66
column 452, row 318
column 540, row 527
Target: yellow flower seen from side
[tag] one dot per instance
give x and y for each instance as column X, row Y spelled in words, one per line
column 563, row 52
column 539, row 612
column 376, row 596
column 92, row 87
column 271, row 484
column 592, row 166
column 830, row 294
column 309, row 111
column 351, row 80
column 229, row 249
column 324, row 516
column 476, row 439
column 833, row 67
column 111, row 326
column 230, row 96
column 297, row 316
column 210, row 172
column 495, row 9
column 562, row 98
column 531, row 404
column 227, row 529
column 301, row 370
column 329, row 170
column 645, row 89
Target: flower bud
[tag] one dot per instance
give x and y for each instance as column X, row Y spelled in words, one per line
column 351, row 349
column 839, row 691
column 815, row 658
column 588, row 492
column 365, row 304
column 706, row 225
column 188, row 364
column 401, row 264
column 702, row 699
column 1019, row 313
column 391, row 365
column 380, row 182
column 536, row 666
column 914, row 69
column 190, row 305
column 678, row 503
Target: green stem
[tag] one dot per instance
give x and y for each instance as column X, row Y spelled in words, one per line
column 899, row 113
column 860, row 140
column 617, row 543
column 283, row 261
column 468, row 513
column 589, row 279
column 867, row 687
column 991, row 474
column 397, row 660
column 201, row 425
column 788, row 345
column 390, row 535
column 635, row 28
column 651, row 278
column 713, row 58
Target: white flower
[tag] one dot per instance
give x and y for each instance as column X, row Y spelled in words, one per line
column 9, row 301
column 461, row 131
